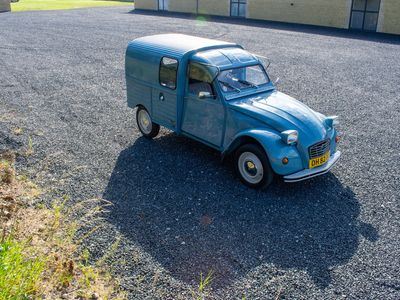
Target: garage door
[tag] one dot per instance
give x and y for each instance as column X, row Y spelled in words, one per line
column 162, row 4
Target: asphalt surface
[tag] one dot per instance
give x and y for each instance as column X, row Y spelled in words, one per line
column 176, row 209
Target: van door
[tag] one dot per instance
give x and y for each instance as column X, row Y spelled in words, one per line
column 164, row 96
column 204, row 113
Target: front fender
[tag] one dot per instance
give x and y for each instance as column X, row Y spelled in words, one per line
column 274, row 147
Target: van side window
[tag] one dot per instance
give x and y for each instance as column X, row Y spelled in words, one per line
column 168, row 70
column 200, row 80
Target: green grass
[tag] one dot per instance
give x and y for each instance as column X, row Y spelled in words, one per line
column 204, row 282
column 39, row 254
column 19, row 273
column 24, row 5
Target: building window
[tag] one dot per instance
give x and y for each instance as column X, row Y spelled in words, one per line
column 238, row 8
column 364, row 14
column 168, row 70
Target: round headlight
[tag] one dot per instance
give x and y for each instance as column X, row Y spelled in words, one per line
column 290, row 136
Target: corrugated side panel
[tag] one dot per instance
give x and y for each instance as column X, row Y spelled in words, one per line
column 138, row 93
column 142, row 66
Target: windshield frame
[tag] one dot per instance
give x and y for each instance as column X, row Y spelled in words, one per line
column 206, row 65
column 252, row 88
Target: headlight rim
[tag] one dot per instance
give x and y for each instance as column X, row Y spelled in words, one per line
column 290, row 137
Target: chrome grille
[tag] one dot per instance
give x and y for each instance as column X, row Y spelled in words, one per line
column 319, row 148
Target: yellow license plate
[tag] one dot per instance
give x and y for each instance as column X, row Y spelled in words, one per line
column 318, row 161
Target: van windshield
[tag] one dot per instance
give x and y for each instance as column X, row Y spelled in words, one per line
column 238, row 79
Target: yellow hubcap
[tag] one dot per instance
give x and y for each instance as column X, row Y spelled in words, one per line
column 250, row 165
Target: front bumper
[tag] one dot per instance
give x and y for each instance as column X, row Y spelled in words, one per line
column 309, row 173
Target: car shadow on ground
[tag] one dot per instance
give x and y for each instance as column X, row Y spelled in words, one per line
column 313, row 29
column 174, row 198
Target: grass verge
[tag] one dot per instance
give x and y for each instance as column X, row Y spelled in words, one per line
column 27, row 5
column 40, row 255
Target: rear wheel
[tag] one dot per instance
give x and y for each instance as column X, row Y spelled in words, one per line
column 145, row 124
column 252, row 166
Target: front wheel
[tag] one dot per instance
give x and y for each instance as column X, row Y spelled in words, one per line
column 252, row 166
column 145, row 124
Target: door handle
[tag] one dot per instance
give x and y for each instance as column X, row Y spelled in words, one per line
column 162, row 98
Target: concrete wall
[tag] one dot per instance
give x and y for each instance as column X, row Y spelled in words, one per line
column 5, row 5
column 146, row 4
column 333, row 13
column 389, row 17
column 185, row 6
column 215, row 7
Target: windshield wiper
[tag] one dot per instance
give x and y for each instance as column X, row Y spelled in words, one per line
column 229, row 85
column 247, row 83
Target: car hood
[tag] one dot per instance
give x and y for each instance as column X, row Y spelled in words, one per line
column 283, row 112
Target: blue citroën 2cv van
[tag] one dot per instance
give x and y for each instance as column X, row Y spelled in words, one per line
column 219, row 94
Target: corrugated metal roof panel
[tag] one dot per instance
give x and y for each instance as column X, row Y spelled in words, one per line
column 226, row 57
column 175, row 45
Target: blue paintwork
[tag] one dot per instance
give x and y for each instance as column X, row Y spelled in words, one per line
column 225, row 58
column 260, row 114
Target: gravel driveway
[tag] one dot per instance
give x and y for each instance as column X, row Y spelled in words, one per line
column 177, row 210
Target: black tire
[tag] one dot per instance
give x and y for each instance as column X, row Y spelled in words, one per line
column 245, row 164
column 152, row 129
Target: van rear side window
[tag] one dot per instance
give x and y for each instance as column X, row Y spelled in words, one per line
column 168, row 70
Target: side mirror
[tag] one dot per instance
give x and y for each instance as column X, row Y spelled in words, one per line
column 205, row 95
column 276, row 81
